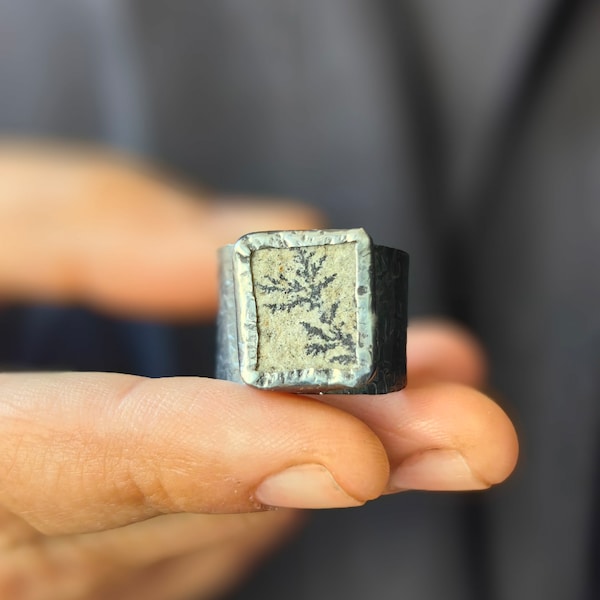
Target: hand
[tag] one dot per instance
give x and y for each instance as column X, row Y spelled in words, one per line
column 100, row 473
column 80, row 225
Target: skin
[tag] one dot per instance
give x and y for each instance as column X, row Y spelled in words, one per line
column 115, row 486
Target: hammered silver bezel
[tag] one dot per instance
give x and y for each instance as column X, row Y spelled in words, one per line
column 248, row 336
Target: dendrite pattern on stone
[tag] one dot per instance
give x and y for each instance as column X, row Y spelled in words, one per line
column 306, row 289
column 330, row 336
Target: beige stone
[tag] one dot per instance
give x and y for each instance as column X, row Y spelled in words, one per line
column 306, row 307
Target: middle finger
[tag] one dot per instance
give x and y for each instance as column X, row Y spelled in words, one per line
column 442, row 436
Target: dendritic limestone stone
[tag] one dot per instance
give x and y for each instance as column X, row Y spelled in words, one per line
column 306, row 307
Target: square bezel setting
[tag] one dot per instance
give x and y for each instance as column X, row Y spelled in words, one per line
column 305, row 314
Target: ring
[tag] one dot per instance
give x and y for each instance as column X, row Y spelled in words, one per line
column 321, row 311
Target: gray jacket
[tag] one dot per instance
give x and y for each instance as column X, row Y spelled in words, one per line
column 465, row 132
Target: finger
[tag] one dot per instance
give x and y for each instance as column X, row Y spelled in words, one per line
column 438, row 437
column 64, row 567
column 171, row 270
column 81, row 452
column 78, row 225
column 439, row 350
column 139, row 545
column 14, row 531
column 202, row 573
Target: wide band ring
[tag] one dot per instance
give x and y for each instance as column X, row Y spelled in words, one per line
column 320, row 311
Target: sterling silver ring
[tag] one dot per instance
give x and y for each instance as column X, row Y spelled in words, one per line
column 321, row 311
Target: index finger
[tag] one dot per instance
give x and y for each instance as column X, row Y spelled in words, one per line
column 90, row 451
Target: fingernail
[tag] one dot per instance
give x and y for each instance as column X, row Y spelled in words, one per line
column 304, row 486
column 443, row 470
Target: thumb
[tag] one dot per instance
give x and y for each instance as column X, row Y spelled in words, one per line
column 84, row 452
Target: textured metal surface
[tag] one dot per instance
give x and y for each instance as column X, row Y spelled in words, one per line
column 379, row 301
column 390, row 282
column 227, row 360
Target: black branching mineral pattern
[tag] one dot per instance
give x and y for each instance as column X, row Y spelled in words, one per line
column 306, row 307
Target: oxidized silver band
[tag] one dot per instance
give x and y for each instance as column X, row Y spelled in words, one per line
column 320, row 311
